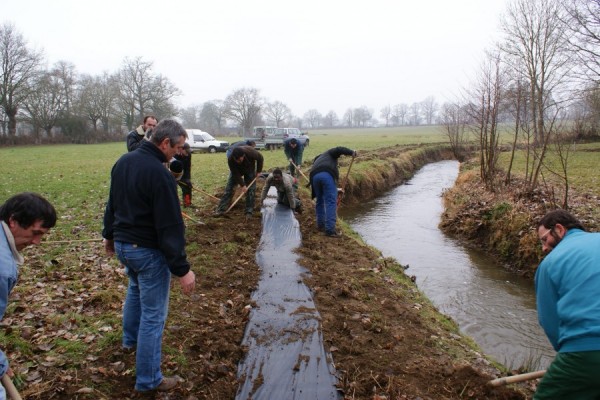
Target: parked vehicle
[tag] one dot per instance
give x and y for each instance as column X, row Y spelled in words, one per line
column 203, row 141
column 272, row 137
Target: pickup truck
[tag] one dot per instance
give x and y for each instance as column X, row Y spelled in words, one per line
column 272, row 137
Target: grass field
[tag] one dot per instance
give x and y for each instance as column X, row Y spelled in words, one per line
column 75, row 178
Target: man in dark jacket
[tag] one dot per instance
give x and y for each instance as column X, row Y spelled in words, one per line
column 245, row 163
column 293, row 150
column 136, row 136
column 324, row 175
column 185, row 182
column 143, row 225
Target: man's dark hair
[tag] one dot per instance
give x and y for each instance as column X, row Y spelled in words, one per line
column 277, row 172
column 237, row 153
column 150, row 116
column 562, row 217
column 293, row 141
column 27, row 208
column 168, row 128
column 250, row 143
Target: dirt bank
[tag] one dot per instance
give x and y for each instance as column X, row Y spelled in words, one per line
column 387, row 341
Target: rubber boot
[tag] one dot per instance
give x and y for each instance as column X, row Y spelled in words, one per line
column 187, row 200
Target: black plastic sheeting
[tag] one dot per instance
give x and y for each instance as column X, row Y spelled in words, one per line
column 286, row 358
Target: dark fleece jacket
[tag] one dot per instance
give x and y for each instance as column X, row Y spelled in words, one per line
column 143, row 207
column 328, row 162
column 252, row 164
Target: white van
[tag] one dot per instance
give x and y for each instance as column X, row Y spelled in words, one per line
column 203, row 141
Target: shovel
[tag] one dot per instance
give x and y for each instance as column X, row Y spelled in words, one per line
column 516, row 378
column 344, row 182
column 240, row 196
column 299, row 170
column 200, row 191
column 11, row 390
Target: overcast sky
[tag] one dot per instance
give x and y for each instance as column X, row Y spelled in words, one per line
column 321, row 54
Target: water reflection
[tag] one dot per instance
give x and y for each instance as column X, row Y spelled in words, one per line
column 490, row 304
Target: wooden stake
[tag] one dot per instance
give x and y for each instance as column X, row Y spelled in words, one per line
column 516, row 378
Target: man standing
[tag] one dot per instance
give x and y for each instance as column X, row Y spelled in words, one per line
column 293, row 150
column 185, row 182
column 567, row 284
column 245, row 163
column 136, row 136
column 25, row 218
column 144, row 227
column 286, row 189
column 324, row 175
column 232, row 146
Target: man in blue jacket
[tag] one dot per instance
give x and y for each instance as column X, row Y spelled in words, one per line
column 324, row 175
column 25, row 218
column 143, row 225
column 567, row 284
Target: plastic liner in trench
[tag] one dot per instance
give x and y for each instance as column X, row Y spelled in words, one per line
column 285, row 358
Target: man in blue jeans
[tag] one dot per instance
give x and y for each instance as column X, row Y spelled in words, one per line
column 324, row 175
column 567, row 282
column 143, row 225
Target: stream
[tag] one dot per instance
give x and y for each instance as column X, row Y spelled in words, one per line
column 493, row 306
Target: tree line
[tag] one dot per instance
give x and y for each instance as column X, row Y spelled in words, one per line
column 541, row 83
column 57, row 104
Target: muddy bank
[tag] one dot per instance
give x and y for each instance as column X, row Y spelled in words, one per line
column 503, row 223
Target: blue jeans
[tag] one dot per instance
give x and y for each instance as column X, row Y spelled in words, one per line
column 145, row 310
column 226, row 199
column 326, row 193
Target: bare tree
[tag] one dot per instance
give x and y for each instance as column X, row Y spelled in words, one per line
column 484, row 108
column 212, row 116
column 97, row 99
column 454, row 120
column 349, row 118
column 362, row 116
column 244, row 106
column 415, row 114
column 399, row 113
column 429, row 108
column 386, row 114
column 65, row 75
column 582, row 19
column 19, row 67
column 43, row 108
column 277, row 112
column 142, row 92
column 190, row 116
column 330, row 119
column 313, row 118
column 536, row 44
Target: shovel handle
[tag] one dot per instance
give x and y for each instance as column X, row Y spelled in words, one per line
column 11, row 390
column 517, row 378
column 240, row 196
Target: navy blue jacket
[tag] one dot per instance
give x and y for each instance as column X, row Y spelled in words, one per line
column 143, row 206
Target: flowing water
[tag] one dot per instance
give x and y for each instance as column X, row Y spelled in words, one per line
column 493, row 306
